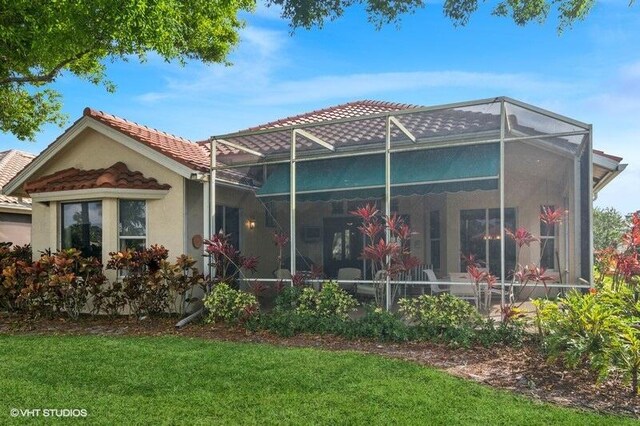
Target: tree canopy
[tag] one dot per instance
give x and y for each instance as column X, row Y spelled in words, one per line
column 608, row 226
column 40, row 40
column 307, row 14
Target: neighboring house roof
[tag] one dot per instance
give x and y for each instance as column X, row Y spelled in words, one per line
column 11, row 163
column 117, row 176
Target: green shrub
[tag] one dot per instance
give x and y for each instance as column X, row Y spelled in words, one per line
column 491, row 333
column 230, row 306
column 288, row 298
column 596, row 330
column 380, row 325
column 442, row 318
column 287, row 323
column 330, row 301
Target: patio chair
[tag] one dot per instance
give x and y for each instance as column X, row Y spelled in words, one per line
column 464, row 291
column 282, row 274
column 416, row 274
column 368, row 289
column 349, row 274
column 435, row 288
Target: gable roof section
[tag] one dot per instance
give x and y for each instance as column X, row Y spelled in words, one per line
column 117, row 176
column 176, row 153
column 11, row 163
column 179, row 149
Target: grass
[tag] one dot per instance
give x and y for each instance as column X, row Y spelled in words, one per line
column 171, row 380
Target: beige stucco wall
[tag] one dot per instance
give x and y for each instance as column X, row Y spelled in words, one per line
column 92, row 150
column 15, row 228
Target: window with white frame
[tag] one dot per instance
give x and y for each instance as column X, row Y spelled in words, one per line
column 547, row 242
column 132, row 224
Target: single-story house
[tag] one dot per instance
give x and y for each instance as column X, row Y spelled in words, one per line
column 454, row 172
column 15, row 212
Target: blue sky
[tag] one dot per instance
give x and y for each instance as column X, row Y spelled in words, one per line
column 591, row 73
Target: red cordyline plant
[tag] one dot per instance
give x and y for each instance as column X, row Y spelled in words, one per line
column 523, row 274
column 521, row 236
column 553, row 215
column 280, row 239
column 387, row 258
column 622, row 264
column 532, row 273
column 227, row 260
column 479, row 277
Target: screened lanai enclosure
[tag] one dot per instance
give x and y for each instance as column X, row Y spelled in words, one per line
column 463, row 177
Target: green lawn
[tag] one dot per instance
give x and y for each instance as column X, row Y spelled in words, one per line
column 165, row 380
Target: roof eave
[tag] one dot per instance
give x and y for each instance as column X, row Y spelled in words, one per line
column 604, row 181
column 15, row 184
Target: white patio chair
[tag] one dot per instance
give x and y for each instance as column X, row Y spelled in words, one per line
column 282, row 274
column 349, row 274
column 368, row 289
column 435, row 288
column 465, row 290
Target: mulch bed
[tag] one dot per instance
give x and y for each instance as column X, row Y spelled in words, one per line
column 520, row 370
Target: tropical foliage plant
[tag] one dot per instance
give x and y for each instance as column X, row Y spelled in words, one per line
column 388, row 257
column 58, row 282
column 600, row 329
column 329, row 301
column 148, row 283
column 227, row 305
column 227, row 261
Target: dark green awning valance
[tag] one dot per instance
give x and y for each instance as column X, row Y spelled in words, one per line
column 454, row 169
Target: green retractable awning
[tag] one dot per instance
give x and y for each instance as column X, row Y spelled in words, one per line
column 454, row 169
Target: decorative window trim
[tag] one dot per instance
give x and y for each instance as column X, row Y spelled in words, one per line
column 100, row 193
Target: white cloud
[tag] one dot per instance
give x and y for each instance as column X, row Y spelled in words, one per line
column 253, row 63
column 367, row 84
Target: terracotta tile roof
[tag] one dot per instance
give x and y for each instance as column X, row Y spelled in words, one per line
column 423, row 124
column 348, row 110
column 116, row 176
column 179, row 149
column 609, row 156
column 12, row 162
